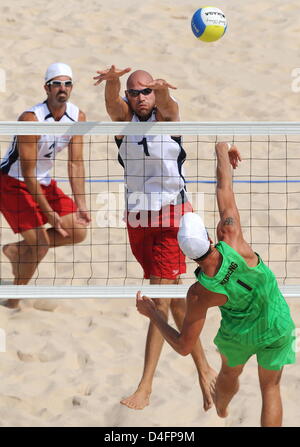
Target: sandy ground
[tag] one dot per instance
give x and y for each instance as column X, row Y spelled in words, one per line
column 68, row 363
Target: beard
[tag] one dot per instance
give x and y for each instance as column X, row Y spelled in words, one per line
column 62, row 97
column 143, row 115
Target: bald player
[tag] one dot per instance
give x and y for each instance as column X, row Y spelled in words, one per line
column 155, row 200
column 255, row 316
column 30, row 198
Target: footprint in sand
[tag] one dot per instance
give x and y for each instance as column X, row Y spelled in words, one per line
column 50, row 354
column 78, row 401
column 83, row 359
column 86, row 389
column 47, row 354
column 27, row 356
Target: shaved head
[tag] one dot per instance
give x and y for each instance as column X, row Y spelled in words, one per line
column 138, row 76
column 142, row 104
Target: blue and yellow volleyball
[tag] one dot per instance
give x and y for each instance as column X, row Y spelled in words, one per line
column 209, row 24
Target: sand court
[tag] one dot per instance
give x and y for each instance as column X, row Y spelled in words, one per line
column 68, row 363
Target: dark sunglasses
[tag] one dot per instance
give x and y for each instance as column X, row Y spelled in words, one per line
column 58, row 83
column 135, row 93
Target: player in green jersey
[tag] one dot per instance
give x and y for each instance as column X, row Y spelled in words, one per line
column 255, row 316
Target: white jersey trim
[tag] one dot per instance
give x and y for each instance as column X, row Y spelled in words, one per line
column 153, row 170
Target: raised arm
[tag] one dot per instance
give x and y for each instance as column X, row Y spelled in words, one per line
column 167, row 108
column 229, row 214
column 116, row 107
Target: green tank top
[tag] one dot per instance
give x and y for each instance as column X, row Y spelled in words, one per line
column 256, row 311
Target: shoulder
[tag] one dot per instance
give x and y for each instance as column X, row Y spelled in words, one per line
column 81, row 116
column 74, row 113
column 195, row 289
column 200, row 299
column 196, row 295
column 242, row 248
column 129, row 114
column 27, row 116
column 28, row 139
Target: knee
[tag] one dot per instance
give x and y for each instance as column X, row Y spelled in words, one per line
column 79, row 235
column 269, row 380
column 267, row 388
column 177, row 304
column 231, row 373
column 40, row 251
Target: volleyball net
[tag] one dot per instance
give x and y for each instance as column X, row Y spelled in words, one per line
column 266, row 186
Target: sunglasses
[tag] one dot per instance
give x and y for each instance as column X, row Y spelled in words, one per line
column 58, row 83
column 135, row 93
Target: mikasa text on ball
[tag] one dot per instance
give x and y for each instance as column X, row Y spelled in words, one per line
column 209, row 24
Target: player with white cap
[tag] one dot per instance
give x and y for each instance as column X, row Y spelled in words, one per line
column 58, row 69
column 255, row 316
column 193, row 237
column 29, row 196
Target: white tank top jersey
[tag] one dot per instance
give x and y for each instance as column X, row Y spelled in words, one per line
column 153, row 170
column 48, row 145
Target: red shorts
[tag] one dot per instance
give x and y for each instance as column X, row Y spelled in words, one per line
column 153, row 240
column 20, row 209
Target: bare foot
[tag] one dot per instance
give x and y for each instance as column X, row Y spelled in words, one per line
column 138, row 400
column 207, row 383
column 12, row 252
column 12, row 304
column 221, row 404
column 221, row 407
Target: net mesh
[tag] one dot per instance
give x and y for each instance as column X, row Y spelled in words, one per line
column 267, row 192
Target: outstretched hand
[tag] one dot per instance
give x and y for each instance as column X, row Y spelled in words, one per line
column 110, row 74
column 158, row 84
column 145, row 305
column 234, row 156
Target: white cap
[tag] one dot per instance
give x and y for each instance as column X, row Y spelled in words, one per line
column 192, row 236
column 58, row 69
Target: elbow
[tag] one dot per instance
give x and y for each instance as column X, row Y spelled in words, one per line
column 185, row 352
column 184, row 349
column 74, row 165
column 29, row 178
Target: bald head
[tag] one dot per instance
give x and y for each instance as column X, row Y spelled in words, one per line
column 141, row 103
column 138, row 76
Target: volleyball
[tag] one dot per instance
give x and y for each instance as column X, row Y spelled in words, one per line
column 209, row 24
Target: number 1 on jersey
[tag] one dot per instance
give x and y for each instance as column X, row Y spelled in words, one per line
column 145, row 146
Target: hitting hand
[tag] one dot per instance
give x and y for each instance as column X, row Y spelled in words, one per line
column 145, row 305
column 234, row 156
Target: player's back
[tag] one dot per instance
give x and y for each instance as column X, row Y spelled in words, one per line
column 256, row 311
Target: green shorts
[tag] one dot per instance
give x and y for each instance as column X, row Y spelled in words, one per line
column 273, row 356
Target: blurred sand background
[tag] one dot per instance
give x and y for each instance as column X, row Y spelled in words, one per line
column 69, row 362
